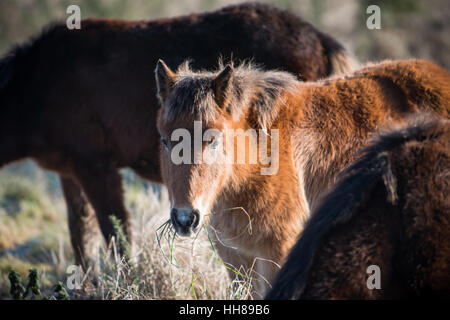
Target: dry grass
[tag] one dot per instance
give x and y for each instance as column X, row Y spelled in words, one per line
column 163, row 266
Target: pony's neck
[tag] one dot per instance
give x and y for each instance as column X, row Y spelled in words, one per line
column 325, row 141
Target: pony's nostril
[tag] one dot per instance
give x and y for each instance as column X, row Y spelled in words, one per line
column 173, row 217
column 196, row 218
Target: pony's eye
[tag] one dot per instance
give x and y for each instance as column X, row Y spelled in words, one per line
column 165, row 143
column 214, row 143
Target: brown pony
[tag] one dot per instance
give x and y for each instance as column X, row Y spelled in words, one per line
column 319, row 126
column 391, row 211
column 83, row 103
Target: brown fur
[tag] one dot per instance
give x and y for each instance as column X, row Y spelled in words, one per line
column 322, row 125
column 83, row 103
column 391, row 209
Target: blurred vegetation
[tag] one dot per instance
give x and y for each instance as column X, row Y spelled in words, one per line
column 33, row 290
column 410, row 28
column 33, row 226
column 34, row 236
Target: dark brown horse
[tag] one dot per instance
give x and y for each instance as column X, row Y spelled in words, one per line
column 391, row 211
column 82, row 102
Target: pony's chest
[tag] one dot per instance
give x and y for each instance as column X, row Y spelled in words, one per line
column 234, row 227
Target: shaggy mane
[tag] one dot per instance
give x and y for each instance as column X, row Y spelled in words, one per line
column 261, row 91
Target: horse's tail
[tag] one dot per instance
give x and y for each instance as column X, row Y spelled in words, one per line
column 339, row 59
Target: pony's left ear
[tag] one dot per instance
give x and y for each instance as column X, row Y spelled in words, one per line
column 165, row 78
column 221, row 86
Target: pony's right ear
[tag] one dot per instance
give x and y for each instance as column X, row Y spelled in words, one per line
column 165, row 79
column 221, row 85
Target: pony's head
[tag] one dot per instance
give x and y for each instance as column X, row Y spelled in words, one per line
column 203, row 117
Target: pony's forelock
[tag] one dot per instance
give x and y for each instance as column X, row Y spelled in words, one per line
column 251, row 88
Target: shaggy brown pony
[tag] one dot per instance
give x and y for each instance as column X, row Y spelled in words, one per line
column 83, row 102
column 256, row 216
column 390, row 209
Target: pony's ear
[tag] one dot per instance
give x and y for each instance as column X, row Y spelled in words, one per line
column 221, row 85
column 165, row 78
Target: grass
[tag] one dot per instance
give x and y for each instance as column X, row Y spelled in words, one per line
column 34, row 235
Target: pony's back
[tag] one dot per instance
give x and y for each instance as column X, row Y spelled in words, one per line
column 412, row 85
column 425, row 84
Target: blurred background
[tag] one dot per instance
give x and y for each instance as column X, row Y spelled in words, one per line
column 33, row 228
column 409, row 28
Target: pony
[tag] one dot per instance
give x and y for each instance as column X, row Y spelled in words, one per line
column 389, row 211
column 256, row 209
column 82, row 103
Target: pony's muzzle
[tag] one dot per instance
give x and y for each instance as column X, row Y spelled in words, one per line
column 185, row 221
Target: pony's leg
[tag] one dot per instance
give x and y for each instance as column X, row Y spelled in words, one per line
column 102, row 185
column 83, row 226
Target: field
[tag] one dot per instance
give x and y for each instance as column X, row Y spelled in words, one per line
column 33, row 234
